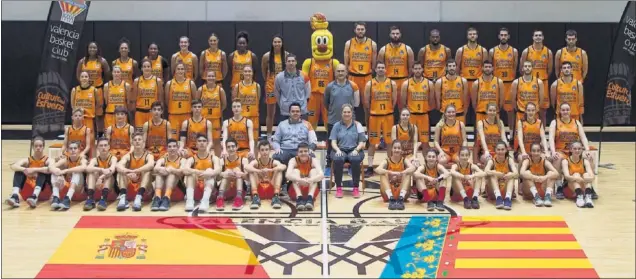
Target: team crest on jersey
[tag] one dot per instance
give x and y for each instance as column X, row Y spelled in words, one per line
column 494, row 86
column 441, row 55
column 386, row 86
column 123, row 246
column 578, row 56
column 509, row 55
column 534, row 86
column 479, row 53
column 366, row 48
column 401, row 52
column 459, row 84
column 573, row 87
column 543, row 56
column 424, row 86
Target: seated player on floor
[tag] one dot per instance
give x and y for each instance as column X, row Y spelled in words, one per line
column 305, row 174
column 538, row 177
column 134, row 174
column 77, row 132
column 266, row 177
column 120, row 134
column 450, row 136
column 201, row 171
column 430, row 179
column 395, row 177
column 68, row 177
column 502, row 174
column 168, row 174
column 467, row 178
column 100, row 174
column 30, row 176
column 579, row 176
column 233, row 176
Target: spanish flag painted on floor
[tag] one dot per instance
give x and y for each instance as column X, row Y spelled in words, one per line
column 153, row 247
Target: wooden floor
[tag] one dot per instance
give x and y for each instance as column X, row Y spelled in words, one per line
column 606, row 233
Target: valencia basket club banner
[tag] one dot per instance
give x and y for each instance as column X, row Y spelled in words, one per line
column 620, row 77
column 61, row 42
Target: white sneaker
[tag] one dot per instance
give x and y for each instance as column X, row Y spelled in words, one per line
column 579, row 201
column 547, row 201
column 123, row 203
column 204, row 205
column 588, row 201
column 189, row 206
column 538, row 202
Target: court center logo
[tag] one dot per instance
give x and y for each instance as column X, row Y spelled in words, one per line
column 123, row 246
column 71, row 9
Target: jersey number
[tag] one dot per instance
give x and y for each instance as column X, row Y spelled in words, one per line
column 396, row 71
column 247, row 108
column 504, row 74
column 209, row 111
column 321, row 83
column 146, row 102
column 382, row 106
column 360, row 67
column 419, row 106
column 472, row 72
column 179, row 104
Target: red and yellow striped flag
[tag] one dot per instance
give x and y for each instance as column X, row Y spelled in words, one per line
column 153, row 247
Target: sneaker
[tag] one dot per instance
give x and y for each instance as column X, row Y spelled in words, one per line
column 507, row 204
column 559, row 191
column 155, row 203
column 204, row 205
column 32, row 201
column 66, row 203
column 137, row 203
column 309, row 203
column 499, row 204
column 256, row 202
column 89, row 204
column 547, row 201
column 430, row 206
column 392, row 203
column 356, row 192
column 165, row 204
column 300, row 204
column 339, row 193
column 123, row 203
column 276, row 202
column 189, row 205
column 101, row 205
column 538, row 202
column 14, row 201
column 475, row 203
column 440, row 206
column 283, row 193
column 588, row 201
column 594, row 194
column 369, row 172
column 327, row 171
column 399, row 205
column 238, row 203
column 220, row 204
column 467, row 204
column 580, row 202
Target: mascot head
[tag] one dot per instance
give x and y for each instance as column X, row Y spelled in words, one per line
column 321, row 39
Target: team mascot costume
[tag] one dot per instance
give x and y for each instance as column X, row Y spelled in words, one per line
column 321, row 68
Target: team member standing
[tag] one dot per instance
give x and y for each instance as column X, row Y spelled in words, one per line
column 129, row 66
column 568, row 89
column 450, row 136
column 214, row 60
column 470, row 58
column 486, row 89
column 120, row 134
column 526, row 89
column 214, row 103
column 395, row 177
column 266, row 176
column 180, row 91
column 271, row 65
column 398, row 58
column 116, row 94
column 305, row 174
column 502, row 173
column 579, row 176
column 434, row 56
column 100, row 174
column 134, row 174
column 360, row 56
column 30, row 175
column 452, row 89
column 505, row 58
column 157, row 132
column 240, row 129
column 160, row 67
column 98, row 70
column 77, row 132
column 418, row 95
column 541, row 58
column 538, row 178
column 191, row 128
column 380, row 97
column 67, row 174
column 146, row 90
column 241, row 57
column 530, row 130
column 248, row 92
column 186, row 57
column 573, row 54
column 202, row 170
column 292, row 86
column 168, row 174
column 84, row 96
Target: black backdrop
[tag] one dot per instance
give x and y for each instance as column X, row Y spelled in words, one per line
column 22, row 48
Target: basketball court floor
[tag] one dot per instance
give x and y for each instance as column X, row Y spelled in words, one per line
column 353, row 238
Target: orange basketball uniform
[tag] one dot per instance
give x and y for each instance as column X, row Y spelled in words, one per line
column 576, row 59
column 270, row 98
column 265, row 188
column 157, row 66
column 86, row 98
column 157, row 138
column 472, row 63
column 360, row 59
column 404, row 136
column 211, row 99
column 417, row 98
column 213, row 62
column 133, row 164
column 531, row 134
column 381, row 111
column 566, row 133
column 321, row 73
column 451, row 140
column 95, row 78
column 147, row 93
column 179, row 103
column 492, row 133
column 453, row 93
column 527, row 92
column 540, row 60
column 239, row 62
column 127, row 69
column 396, row 60
column 116, row 98
column 568, row 92
column 248, row 95
column 238, row 131
column 503, row 63
column 394, row 184
column 502, row 167
column 538, row 169
column 434, row 62
column 29, row 184
column 120, row 141
column 305, row 169
column 77, row 135
column 194, row 128
column 187, row 60
column 202, row 164
column 487, row 92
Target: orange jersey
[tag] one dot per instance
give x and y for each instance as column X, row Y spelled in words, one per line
column 233, row 164
column 568, row 92
column 187, row 60
column 492, row 133
column 71, row 164
column 303, row 167
column 135, row 163
column 404, row 136
column 537, row 168
column 487, row 92
column 104, row 164
column 77, row 135
column 451, row 138
column 202, row 163
column 94, row 70
column 417, row 95
column 502, row 167
column 176, row 163
column 193, row 129
column 239, row 62
column 213, row 63
column 576, row 59
column 156, row 65
column 396, row 61
column 381, row 97
column 180, row 97
column 503, row 63
column 465, row 171
column 211, row 100
column 85, row 99
column 452, row 93
column 540, row 60
column 35, row 163
column 120, row 137
column 157, row 138
column 576, row 167
column 271, row 76
column 127, row 69
column 147, row 92
column 248, row 96
column 395, row 166
column 116, row 96
column 360, row 56
column 238, row 131
column 432, row 172
column 566, row 133
column 320, row 74
column 531, row 132
column 434, row 62
column 472, row 62
column 527, row 92
column 268, row 165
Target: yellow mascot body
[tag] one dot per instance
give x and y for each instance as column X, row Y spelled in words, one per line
column 320, row 69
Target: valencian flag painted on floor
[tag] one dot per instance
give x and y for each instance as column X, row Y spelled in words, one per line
column 622, row 69
column 61, row 42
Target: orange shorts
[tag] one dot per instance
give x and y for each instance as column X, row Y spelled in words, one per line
column 469, row 83
column 546, row 95
column 270, row 97
column 99, row 102
column 109, row 119
column 361, row 82
column 141, row 117
column 507, row 86
column 421, row 121
column 398, row 83
column 176, row 120
column 461, row 116
column 452, row 153
column 256, row 127
column 395, row 191
column 316, row 108
column 90, row 123
column 216, row 127
column 380, row 125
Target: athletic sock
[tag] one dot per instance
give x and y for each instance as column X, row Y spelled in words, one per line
column 105, row 193
column 588, row 191
column 548, row 191
column 36, row 191
column 16, row 190
column 221, row 194
column 403, row 194
column 56, row 192
column 388, row 193
column 158, row 192
column 442, row 194
column 190, row 193
column 168, row 193
column 463, row 193
column 141, row 192
column 206, row 194
column 90, row 193
column 370, row 161
column 497, row 193
column 534, row 191
column 70, row 192
column 475, row 194
column 578, row 191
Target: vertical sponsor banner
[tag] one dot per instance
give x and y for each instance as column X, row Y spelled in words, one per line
column 61, row 42
column 620, row 77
